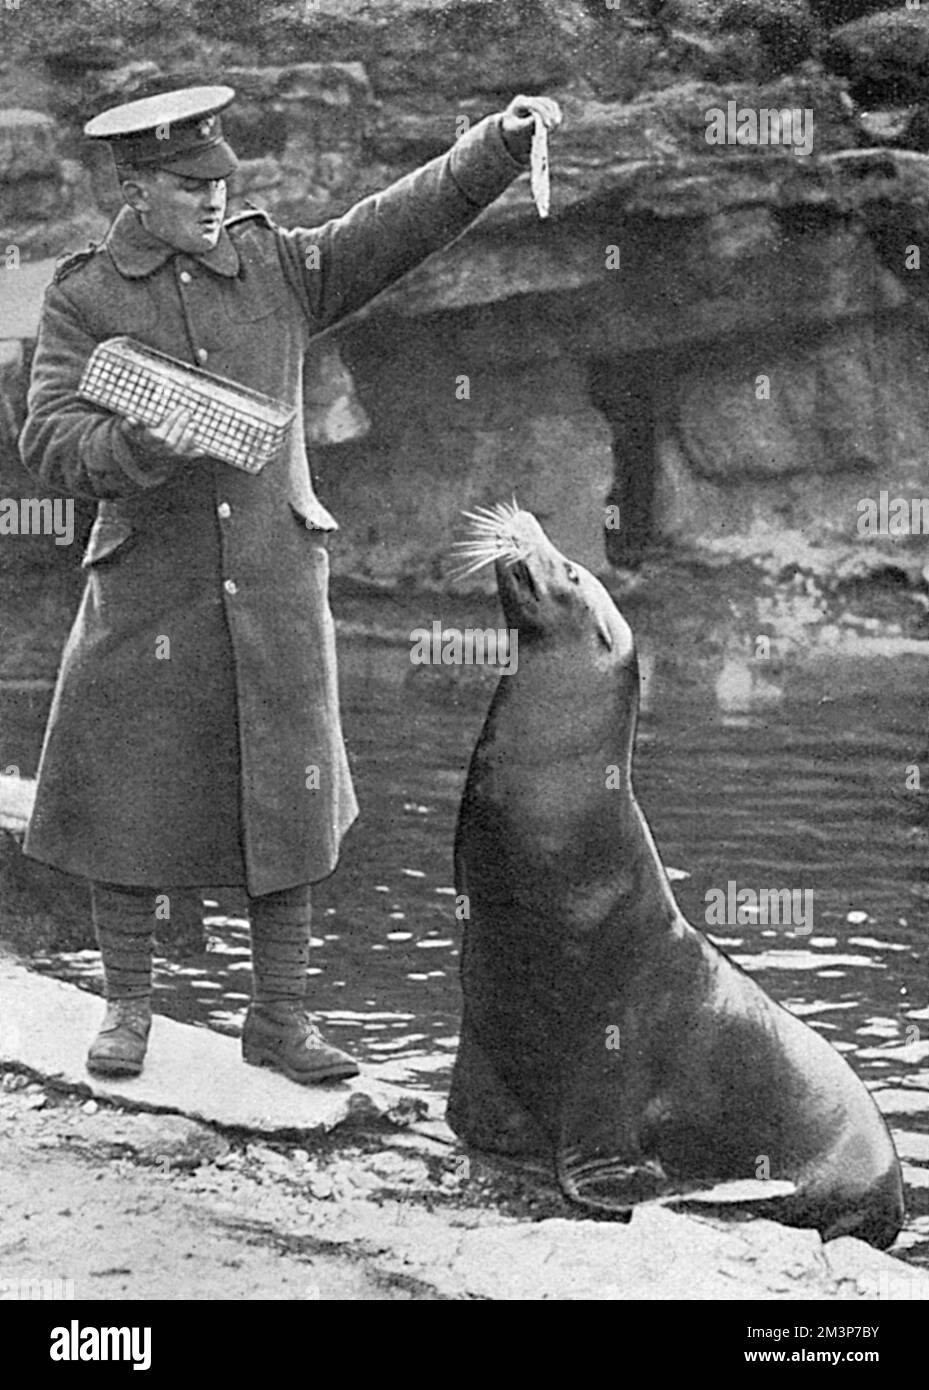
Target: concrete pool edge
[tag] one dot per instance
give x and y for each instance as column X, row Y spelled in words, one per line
column 46, row 1025
column 381, row 1206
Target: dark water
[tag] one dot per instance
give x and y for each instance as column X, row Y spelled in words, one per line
column 796, row 781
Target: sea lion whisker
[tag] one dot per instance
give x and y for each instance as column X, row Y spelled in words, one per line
column 458, row 575
column 486, row 533
column 501, row 539
column 498, row 519
column 490, row 521
column 487, row 538
column 497, row 546
column 474, row 565
column 472, row 568
column 498, row 552
column 484, row 553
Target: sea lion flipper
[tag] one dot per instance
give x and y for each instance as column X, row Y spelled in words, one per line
column 606, row 1185
column 749, row 1191
column 484, row 1112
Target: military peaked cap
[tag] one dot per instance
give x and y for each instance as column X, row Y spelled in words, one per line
column 180, row 131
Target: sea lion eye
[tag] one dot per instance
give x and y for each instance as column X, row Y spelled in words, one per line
column 572, row 574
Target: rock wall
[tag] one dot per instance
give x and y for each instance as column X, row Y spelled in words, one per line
column 726, row 342
column 503, row 408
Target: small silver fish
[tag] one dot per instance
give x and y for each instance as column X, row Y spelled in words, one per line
column 539, row 180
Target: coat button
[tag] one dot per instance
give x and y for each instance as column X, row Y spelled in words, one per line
column 202, row 355
column 224, row 510
column 185, row 277
column 231, row 586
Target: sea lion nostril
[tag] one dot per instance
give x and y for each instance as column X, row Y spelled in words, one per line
column 528, row 580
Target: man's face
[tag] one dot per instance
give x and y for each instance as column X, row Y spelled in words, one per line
column 185, row 212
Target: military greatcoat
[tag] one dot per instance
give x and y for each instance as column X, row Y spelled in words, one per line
column 194, row 734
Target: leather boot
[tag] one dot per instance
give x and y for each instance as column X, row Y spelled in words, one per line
column 119, row 1047
column 284, row 1036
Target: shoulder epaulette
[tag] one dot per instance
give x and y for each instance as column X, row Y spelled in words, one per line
column 249, row 214
column 71, row 260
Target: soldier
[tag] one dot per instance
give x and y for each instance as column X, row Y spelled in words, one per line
column 194, row 734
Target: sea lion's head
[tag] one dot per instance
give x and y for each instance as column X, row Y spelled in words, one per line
column 545, row 596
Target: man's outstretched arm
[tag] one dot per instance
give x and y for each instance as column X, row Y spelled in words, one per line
column 339, row 266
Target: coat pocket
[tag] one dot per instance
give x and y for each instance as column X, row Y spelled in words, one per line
column 108, row 535
column 318, row 533
column 317, row 545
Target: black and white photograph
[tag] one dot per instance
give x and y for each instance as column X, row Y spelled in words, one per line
column 464, row 640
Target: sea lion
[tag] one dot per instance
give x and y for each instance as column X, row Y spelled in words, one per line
column 602, row 1033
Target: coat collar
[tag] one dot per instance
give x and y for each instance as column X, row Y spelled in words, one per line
column 136, row 253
